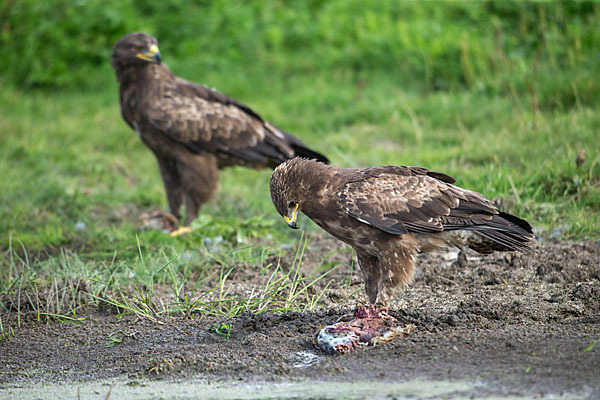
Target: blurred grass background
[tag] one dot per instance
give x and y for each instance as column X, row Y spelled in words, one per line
column 501, row 95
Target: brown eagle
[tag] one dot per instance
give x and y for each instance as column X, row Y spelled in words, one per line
column 390, row 214
column 192, row 130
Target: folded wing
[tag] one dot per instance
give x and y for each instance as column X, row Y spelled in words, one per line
column 400, row 200
column 206, row 120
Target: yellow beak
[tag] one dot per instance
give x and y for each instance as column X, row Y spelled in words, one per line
column 292, row 221
column 152, row 55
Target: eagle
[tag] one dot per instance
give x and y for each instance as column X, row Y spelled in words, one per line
column 390, row 214
column 192, row 130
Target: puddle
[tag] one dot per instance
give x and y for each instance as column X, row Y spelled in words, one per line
column 186, row 390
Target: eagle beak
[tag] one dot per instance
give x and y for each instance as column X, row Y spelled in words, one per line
column 152, row 55
column 291, row 221
column 292, row 224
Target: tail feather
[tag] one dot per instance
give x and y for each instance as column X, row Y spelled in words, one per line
column 305, row 152
column 510, row 232
column 508, row 241
column 521, row 223
column 300, row 149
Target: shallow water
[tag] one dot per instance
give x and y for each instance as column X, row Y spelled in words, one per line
column 135, row 390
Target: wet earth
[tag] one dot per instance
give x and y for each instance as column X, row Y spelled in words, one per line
column 510, row 324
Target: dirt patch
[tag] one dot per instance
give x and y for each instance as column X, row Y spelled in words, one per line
column 525, row 324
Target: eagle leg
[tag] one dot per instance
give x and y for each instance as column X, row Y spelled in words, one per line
column 172, row 181
column 372, row 325
column 397, row 265
column 191, row 209
column 393, row 267
column 461, row 259
column 199, row 176
column 371, row 272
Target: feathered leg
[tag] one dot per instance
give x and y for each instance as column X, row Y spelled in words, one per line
column 371, row 274
column 199, row 175
column 397, row 264
column 400, row 273
column 172, row 181
column 370, row 325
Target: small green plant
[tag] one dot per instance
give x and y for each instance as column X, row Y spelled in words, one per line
column 6, row 334
column 591, row 346
column 222, row 329
column 117, row 337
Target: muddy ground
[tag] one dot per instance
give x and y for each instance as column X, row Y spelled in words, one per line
column 516, row 324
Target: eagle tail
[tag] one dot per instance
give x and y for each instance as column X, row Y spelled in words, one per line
column 300, row 149
column 506, row 233
column 305, row 152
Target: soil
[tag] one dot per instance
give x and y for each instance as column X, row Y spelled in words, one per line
column 517, row 324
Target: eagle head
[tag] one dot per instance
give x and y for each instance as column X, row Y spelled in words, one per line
column 292, row 185
column 135, row 49
column 284, row 194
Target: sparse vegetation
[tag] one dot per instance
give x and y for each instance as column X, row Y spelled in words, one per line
column 143, row 290
column 501, row 95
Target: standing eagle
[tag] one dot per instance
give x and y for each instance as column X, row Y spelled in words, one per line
column 193, row 131
column 390, row 214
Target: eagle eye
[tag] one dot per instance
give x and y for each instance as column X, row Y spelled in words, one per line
column 138, row 48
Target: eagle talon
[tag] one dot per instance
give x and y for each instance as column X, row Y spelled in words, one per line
column 181, row 231
column 370, row 326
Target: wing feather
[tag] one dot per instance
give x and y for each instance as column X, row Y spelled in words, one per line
column 400, row 199
column 206, row 120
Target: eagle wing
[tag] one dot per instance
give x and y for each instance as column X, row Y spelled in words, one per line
column 399, row 200
column 206, row 120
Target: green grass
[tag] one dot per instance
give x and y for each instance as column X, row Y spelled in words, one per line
column 70, row 158
column 503, row 98
column 153, row 287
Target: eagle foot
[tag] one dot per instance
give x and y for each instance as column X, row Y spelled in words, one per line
column 182, row 230
column 369, row 327
column 158, row 220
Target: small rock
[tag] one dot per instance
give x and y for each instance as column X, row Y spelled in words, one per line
column 554, row 278
column 541, row 270
column 555, row 298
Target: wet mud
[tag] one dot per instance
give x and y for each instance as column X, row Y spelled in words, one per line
column 510, row 324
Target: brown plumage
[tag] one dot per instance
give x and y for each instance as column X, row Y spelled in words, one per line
column 193, row 131
column 390, row 214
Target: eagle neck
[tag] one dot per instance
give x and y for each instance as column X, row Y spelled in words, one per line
column 316, row 180
column 139, row 76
